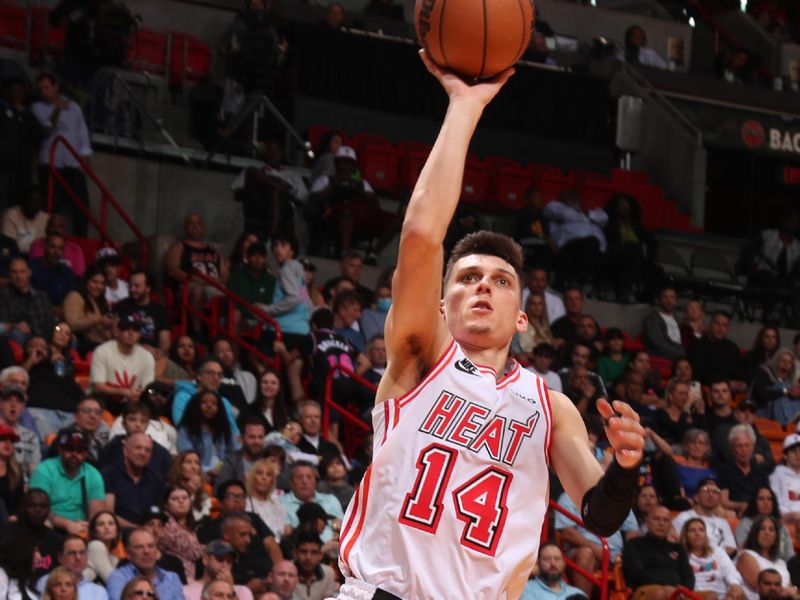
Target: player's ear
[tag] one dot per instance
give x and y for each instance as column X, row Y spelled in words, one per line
column 441, row 306
column 522, row 321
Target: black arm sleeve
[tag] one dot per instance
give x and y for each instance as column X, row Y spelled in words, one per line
column 605, row 506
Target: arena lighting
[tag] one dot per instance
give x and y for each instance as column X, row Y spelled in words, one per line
column 691, row 21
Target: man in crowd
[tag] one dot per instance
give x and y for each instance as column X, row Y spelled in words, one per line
column 89, row 421
column 316, row 581
column 660, row 331
column 249, row 568
column 21, row 135
column 376, row 354
column 745, row 413
column 61, row 116
column 237, row 385
column 720, row 414
column 32, row 524
column 237, row 464
column 73, row 556
column 135, row 418
column 133, row 485
column 565, row 328
column 714, row 357
column 653, row 565
column 252, row 280
column 785, row 480
column 27, row 450
column 741, row 478
column 50, row 274
column 209, row 378
column 351, row 266
column 26, row 221
column 195, row 253
column 220, row 589
column 121, row 368
column 153, row 317
column 283, row 580
column 75, row 487
column 346, row 313
column 580, row 356
column 217, row 565
column 707, row 501
column 304, row 489
column 310, row 416
column 549, row 584
column 142, row 556
column 73, row 253
column 24, row 311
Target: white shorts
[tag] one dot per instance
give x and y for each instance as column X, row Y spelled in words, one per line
column 355, row 589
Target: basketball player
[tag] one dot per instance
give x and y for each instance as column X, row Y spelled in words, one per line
column 453, row 505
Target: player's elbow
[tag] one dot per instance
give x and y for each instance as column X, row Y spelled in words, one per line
column 421, row 237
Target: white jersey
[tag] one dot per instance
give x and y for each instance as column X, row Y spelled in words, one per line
column 453, row 504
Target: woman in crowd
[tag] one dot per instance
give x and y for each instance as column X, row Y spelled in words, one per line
column 263, row 497
column 205, row 428
column 180, row 365
column 774, row 390
column 693, row 325
column 682, row 371
column 178, row 536
column 640, row 363
column 333, row 480
column 17, row 575
column 187, row 471
column 105, row 548
column 694, row 465
column 537, row 332
column 139, row 588
column 239, row 255
column 611, row 365
column 713, row 569
column 270, row 403
column 326, row 150
column 676, row 419
column 646, row 500
column 767, row 342
column 762, row 551
column 62, row 584
column 87, row 312
column 11, row 479
column 762, row 503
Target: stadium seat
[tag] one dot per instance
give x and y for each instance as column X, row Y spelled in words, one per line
column 190, row 59
column 362, row 140
column 509, row 184
column 553, row 184
column 412, row 158
column 46, row 41
column 316, row 133
column 475, row 187
column 148, row 51
column 495, row 162
column 379, row 165
column 636, row 177
column 581, row 177
column 13, row 27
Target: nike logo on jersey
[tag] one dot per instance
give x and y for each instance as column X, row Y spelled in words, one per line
column 467, row 367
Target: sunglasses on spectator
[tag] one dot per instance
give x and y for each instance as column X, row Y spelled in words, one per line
column 146, row 593
column 7, row 438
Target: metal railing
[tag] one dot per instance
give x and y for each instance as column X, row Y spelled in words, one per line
column 602, row 581
column 330, row 404
column 227, row 329
column 106, row 199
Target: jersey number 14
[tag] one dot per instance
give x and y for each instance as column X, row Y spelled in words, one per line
column 479, row 502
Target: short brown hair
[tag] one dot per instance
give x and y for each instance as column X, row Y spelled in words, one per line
column 490, row 244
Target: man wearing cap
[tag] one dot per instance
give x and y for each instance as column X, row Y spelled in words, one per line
column 133, row 485
column 73, row 556
column 121, row 368
column 50, row 273
column 110, row 263
column 154, row 318
column 27, row 450
column 142, row 556
column 785, row 480
column 75, row 488
column 283, row 580
column 218, row 561
column 89, row 420
column 707, row 502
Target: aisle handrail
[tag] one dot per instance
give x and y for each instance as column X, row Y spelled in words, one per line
column 227, row 330
column 602, row 581
column 329, row 403
column 106, row 197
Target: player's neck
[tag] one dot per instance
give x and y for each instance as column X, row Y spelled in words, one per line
column 496, row 358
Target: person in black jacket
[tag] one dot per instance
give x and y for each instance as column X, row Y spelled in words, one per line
column 653, row 565
column 20, row 136
column 715, row 358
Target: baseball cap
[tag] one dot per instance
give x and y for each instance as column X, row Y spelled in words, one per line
column 346, row 152
column 8, row 432
column 128, row 322
column 73, row 438
column 308, row 265
column 153, row 512
column 311, row 511
column 706, row 480
column 13, row 390
column 107, row 254
column 219, row 549
column 791, row 440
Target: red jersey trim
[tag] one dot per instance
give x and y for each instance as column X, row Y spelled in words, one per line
column 435, row 370
column 362, row 513
column 544, row 394
column 509, row 377
column 385, row 421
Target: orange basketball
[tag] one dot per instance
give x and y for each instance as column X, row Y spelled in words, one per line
column 474, row 38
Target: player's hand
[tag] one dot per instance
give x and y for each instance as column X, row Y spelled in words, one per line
column 458, row 89
column 624, row 432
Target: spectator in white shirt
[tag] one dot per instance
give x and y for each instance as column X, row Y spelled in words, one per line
column 636, row 51
column 707, row 503
column 785, row 480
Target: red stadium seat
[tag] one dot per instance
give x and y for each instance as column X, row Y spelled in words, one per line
column 148, row 51
column 361, row 140
column 629, row 176
column 13, row 27
column 190, row 59
column 475, row 187
column 509, row 185
column 553, row 184
column 581, row 177
column 495, row 162
column 379, row 165
column 412, row 158
column 45, row 40
column 536, row 170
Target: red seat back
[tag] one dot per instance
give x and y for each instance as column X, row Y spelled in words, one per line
column 148, row 51
column 13, row 27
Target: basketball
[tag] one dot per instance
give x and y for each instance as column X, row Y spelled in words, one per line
column 474, row 38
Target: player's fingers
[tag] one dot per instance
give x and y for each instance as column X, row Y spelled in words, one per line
column 604, row 408
column 430, row 65
column 501, row 78
column 624, row 438
column 624, row 409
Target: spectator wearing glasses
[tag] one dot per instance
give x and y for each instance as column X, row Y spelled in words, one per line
column 89, row 421
column 75, row 487
column 707, row 507
column 73, row 557
column 209, row 378
column 139, row 588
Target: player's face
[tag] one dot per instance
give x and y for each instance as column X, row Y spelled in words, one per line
column 482, row 302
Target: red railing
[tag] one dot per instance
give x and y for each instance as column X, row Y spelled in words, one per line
column 228, row 329
column 330, row 404
column 602, row 581
column 106, row 198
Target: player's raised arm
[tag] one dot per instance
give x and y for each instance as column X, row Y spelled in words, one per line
column 415, row 329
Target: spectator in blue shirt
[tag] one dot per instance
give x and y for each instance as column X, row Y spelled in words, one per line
column 50, row 273
column 142, row 557
column 346, row 313
column 205, row 429
column 550, row 584
column 73, row 556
